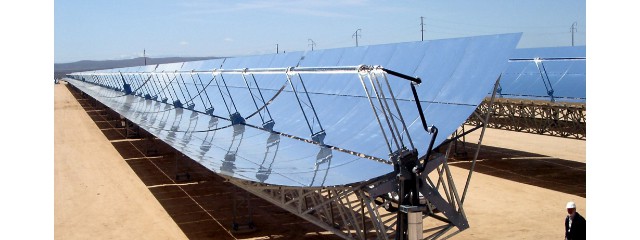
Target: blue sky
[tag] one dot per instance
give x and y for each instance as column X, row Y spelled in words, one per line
column 100, row 29
column 120, row 29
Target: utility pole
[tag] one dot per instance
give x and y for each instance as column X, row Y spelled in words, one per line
column 356, row 35
column 312, row 43
column 277, row 51
column 422, row 27
column 144, row 55
column 573, row 30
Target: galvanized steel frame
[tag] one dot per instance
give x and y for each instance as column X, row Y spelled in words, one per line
column 566, row 120
column 356, row 212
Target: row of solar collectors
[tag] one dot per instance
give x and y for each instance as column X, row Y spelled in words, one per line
column 456, row 73
column 564, row 67
column 239, row 151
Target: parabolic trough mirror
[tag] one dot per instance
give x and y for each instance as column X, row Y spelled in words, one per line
column 354, row 140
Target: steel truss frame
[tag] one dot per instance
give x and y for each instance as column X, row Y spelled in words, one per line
column 368, row 210
column 373, row 209
column 542, row 117
column 354, row 212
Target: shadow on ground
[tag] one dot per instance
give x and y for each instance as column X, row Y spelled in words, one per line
column 199, row 201
column 528, row 168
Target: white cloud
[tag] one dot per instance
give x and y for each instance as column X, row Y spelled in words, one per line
column 228, row 39
column 183, row 43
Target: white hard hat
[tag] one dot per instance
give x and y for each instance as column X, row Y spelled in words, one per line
column 571, row 205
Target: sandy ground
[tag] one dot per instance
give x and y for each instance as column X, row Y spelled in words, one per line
column 105, row 188
column 97, row 195
column 526, row 198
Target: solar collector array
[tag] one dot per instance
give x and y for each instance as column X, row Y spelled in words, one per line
column 565, row 68
column 456, row 75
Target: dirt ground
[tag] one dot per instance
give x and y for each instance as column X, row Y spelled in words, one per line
column 107, row 187
column 521, row 185
column 97, row 195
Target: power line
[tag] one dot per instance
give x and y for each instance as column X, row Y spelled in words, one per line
column 312, row 43
column 422, row 27
column 574, row 28
column 356, row 35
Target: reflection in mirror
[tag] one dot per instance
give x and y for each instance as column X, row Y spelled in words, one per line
column 171, row 137
column 323, row 157
column 228, row 164
column 273, row 143
column 193, row 123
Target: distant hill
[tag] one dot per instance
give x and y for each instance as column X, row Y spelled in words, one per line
column 61, row 69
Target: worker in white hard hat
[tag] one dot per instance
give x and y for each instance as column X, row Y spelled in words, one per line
column 574, row 224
